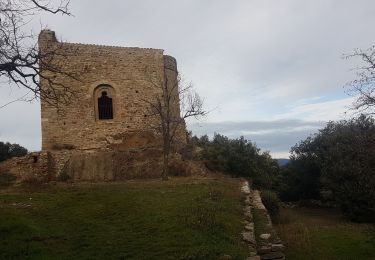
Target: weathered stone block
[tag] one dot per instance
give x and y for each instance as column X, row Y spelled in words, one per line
column 273, row 256
column 277, row 247
column 248, row 237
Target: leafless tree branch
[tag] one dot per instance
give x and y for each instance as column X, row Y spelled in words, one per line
column 21, row 62
column 176, row 103
column 364, row 85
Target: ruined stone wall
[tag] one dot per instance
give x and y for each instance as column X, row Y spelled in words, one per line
column 78, row 165
column 34, row 166
column 134, row 76
column 259, row 234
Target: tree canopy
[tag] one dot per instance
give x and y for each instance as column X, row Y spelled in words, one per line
column 8, row 150
column 239, row 158
column 339, row 161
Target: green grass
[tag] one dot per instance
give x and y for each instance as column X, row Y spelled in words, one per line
column 177, row 219
column 260, row 223
column 313, row 233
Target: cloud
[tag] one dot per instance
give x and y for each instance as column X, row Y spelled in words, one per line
column 320, row 111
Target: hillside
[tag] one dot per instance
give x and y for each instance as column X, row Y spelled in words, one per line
column 282, row 162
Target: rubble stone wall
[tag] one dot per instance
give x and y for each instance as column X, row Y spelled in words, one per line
column 35, row 166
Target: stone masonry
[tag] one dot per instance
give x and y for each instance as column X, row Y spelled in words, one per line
column 129, row 76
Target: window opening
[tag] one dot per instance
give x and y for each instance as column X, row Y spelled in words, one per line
column 105, row 106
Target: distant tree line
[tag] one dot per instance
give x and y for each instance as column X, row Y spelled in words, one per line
column 8, row 150
column 337, row 164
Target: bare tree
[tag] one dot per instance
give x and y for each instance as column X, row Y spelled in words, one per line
column 21, row 63
column 364, row 85
column 177, row 103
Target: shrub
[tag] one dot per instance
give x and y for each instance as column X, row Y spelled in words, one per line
column 299, row 180
column 8, row 150
column 7, row 179
column 239, row 158
column 63, row 177
column 271, row 201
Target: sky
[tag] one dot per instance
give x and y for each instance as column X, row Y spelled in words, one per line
column 269, row 70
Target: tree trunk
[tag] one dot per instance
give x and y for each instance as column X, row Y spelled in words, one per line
column 166, row 152
column 165, row 173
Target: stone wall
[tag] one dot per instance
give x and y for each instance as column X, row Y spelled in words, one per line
column 78, row 165
column 259, row 234
column 34, row 166
column 133, row 76
column 112, row 165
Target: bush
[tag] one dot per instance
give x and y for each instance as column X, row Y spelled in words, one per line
column 239, row 158
column 8, row 150
column 299, row 180
column 340, row 161
column 7, row 179
column 63, row 177
column 271, row 201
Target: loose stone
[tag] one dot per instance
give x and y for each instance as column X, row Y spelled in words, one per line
column 265, row 236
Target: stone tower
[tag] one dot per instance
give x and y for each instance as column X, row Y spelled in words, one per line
column 107, row 110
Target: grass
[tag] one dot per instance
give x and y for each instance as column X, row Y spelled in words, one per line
column 316, row 233
column 178, row 219
column 261, row 224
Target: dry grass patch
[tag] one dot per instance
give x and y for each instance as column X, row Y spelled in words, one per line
column 318, row 233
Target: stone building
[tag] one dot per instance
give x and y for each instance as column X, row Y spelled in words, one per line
column 108, row 109
column 105, row 130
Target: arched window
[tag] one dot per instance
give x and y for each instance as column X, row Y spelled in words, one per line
column 105, row 106
column 104, row 100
